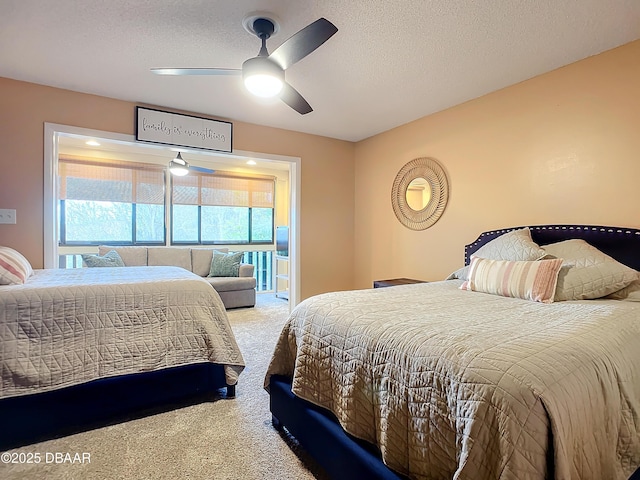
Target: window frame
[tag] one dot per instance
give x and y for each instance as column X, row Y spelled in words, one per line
column 168, row 227
column 200, row 242
column 229, row 175
column 62, row 242
column 130, row 165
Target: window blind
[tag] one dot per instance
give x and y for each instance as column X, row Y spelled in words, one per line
column 110, row 181
column 223, row 190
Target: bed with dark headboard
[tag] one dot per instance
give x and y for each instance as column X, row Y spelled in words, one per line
column 319, row 417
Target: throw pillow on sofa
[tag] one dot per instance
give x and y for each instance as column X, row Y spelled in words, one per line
column 225, row 264
column 109, row 259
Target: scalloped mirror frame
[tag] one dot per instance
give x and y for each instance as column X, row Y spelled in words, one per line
column 432, row 171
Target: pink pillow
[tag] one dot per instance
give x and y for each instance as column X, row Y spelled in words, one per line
column 529, row 280
column 14, row 268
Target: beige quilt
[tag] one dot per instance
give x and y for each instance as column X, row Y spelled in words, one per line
column 65, row 327
column 467, row 385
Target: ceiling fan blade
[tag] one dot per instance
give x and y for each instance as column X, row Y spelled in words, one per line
column 201, row 169
column 291, row 97
column 304, row 42
column 196, row 71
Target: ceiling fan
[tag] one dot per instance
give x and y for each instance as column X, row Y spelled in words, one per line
column 264, row 75
column 178, row 166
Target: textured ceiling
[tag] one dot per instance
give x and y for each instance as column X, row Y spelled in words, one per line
column 391, row 62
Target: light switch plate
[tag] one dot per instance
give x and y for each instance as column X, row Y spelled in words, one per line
column 7, row 215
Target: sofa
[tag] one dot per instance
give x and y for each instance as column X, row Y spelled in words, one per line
column 235, row 292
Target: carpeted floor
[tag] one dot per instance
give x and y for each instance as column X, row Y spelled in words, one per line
column 222, row 439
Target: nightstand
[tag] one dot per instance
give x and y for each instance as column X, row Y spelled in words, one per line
column 395, row 281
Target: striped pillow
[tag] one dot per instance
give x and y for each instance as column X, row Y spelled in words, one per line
column 529, row 280
column 14, row 268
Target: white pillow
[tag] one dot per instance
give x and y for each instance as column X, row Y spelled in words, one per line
column 586, row 272
column 515, row 245
column 14, row 268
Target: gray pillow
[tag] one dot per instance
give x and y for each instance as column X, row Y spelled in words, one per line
column 515, row 245
column 461, row 273
column 110, row 259
column 225, row 264
column 201, row 259
column 131, row 256
column 587, row 273
column 630, row 293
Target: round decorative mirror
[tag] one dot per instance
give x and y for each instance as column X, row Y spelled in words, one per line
column 420, row 193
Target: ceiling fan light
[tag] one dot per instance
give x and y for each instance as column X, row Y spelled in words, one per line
column 178, row 166
column 262, row 77
column 264, row 86
column 176, row 169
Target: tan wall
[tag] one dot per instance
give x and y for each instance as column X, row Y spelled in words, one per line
column 560, row 148
column 326, row 207
column 563, row 147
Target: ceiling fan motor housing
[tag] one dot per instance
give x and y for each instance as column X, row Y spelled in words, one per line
column 261, row 65
column 263, row 27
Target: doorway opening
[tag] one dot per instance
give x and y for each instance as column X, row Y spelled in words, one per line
column 75, row 142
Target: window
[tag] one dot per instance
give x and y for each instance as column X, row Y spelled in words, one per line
column 120, row 202
column 221, row 208
column 111, row 202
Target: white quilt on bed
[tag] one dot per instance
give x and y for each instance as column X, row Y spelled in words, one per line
column 467, row 385
column 65, row 327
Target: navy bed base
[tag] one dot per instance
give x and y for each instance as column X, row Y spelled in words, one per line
column 342, row 456
column 345, row 457
column 316, row 429
column 33, row 418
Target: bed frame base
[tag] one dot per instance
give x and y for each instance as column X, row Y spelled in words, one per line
column 33, row 418
column 318, row 432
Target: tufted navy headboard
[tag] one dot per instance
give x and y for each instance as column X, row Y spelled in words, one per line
column 621, row 243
